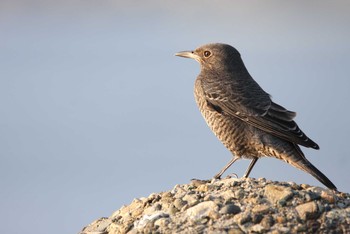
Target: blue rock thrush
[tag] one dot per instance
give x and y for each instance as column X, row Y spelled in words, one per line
column 243, row 116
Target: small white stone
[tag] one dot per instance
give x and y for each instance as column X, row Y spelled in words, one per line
column 201, row 210
column 149, row 218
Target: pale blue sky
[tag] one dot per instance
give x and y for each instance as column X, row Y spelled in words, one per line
column 96, row 110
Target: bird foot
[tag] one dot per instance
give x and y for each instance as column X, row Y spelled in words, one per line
column 218, row 176
column 233, row 174
column 197, row 182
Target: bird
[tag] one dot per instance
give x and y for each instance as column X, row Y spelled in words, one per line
column 243, row 116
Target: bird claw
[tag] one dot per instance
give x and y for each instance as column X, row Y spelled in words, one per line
column 233, row 174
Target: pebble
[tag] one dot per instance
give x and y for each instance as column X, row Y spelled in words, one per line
column 261, row 209
column 191, row 199
column 307, row 210
column 257, row 228
column 267, row 221
column 328, row 196
column 179, row 203
column 278, row 194
column 98, row 226
column 202, row 209
column 230, row 209
column 149, row 218
column 162, row 222
column 239, row 194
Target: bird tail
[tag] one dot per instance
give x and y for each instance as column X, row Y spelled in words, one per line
column 303, row 164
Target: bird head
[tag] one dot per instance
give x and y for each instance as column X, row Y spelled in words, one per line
column 213, row 56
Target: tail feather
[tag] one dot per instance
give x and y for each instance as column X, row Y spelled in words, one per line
column 303, row 164
column 311, row 169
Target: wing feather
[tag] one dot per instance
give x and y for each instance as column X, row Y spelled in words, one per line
column 256, row 108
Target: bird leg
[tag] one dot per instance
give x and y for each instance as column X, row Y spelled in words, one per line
column 218, row 176
column 250, row 167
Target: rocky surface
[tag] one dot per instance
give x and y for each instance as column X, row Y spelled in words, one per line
column 232, row 206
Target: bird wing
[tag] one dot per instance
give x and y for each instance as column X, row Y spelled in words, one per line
column 250, row 103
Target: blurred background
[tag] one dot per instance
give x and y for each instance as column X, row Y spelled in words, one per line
column 95, row 109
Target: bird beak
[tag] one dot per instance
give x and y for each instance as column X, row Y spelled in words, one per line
column 187, row 54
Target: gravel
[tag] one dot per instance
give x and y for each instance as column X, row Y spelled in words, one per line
column 232, row 205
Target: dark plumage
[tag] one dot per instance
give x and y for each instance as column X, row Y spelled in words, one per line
column 243, row 116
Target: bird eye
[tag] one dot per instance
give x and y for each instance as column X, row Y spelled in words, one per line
column 207, row 53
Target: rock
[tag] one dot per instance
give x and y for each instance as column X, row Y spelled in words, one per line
column 230, row 209
column 162, row 221
column 243, row 218
column 179, row 203
column 232, row 206
column 235, row 231
column 261, row 209
column 203, row 188
column 280, row 219
column 239, row 194
column 191, row 199
column 328, row 196
column 200, row 210
column 267, row 222
column 229, row 182
column 228, row 195
column 257, row 228
column 278, row 194
column 280, row 230
column 98, row 226
column 307, row 210
column 145, row 219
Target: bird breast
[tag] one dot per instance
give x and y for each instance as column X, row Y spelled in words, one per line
column 231, row 131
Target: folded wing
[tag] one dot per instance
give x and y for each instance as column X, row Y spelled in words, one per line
column 254, row 106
